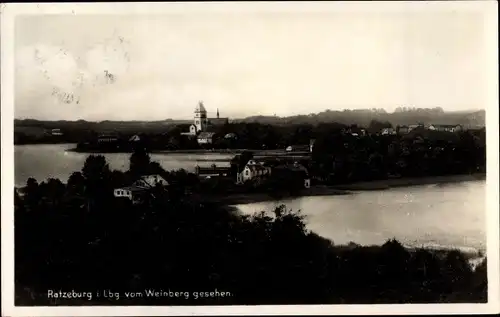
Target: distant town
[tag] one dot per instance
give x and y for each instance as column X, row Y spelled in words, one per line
column 299, row 154
column 218, row 132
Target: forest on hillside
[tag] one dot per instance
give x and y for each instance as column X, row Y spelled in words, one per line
column 403, row 116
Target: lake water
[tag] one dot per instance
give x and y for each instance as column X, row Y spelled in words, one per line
column 430, row 215
column 441, row 215
column 52, row 160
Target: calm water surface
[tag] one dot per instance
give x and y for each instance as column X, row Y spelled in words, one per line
column 430, row 215
column 444, row 215
column 52, row 160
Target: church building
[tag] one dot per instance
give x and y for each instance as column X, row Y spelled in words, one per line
column 202, row 123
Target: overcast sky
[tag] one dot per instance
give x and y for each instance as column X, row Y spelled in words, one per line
column 246, row 63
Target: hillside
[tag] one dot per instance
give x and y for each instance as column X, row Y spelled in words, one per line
column 359, row 117
column 363, row 117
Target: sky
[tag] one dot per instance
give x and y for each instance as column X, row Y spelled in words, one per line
column 158, row 66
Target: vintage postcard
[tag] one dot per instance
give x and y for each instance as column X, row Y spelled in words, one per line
column 249, row 158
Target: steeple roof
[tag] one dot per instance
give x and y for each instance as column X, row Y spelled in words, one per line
column 200, row 108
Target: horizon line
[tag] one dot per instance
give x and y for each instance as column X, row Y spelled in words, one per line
column 249, row 116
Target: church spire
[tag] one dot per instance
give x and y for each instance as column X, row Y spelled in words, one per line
column 217, row 113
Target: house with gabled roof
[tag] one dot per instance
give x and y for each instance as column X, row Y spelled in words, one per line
column 206, row 137
column 151, row 180
column 253, row 170
column 141, row 188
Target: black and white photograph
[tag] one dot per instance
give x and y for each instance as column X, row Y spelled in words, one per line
column 257, row 158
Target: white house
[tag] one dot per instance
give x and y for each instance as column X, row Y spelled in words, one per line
column 151, row 181
column 388, row 131
column 134, row 193
column 140, row 188
column 56, row 132
column 252, row 171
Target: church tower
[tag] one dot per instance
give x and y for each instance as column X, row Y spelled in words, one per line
column 200, row 117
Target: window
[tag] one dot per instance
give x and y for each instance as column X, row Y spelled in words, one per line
column 197, row 122
column 247, row 172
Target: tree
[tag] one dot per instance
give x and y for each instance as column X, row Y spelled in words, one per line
column 377, row 126
column 140, row 162
column 239, row 161
column 76, row 183
column 97, row 176
column 32, row 196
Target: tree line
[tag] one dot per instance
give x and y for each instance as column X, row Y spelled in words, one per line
column 342, row 158
column 83, row 131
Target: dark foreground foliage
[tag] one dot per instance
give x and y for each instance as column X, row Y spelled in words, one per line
column 77, row 237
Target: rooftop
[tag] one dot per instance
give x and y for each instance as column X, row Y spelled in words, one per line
column 200, row 108
column 204, row 135
column 133, row 188
column 445, row 125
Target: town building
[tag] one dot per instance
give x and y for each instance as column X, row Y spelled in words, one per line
column 311, row 144
column 136, row 194
column 298, row 148
column 388, row 131
column 135, row 138
column 151, row 181
column 403, row 129
column 140, row 189
column 231, row 136
column 253, row 170
column 56, row 132
column 446, row 127
column 202, row 123
column 206, row 138
column 212, row 171
column 107, row 138
column 294, row 172
column 354, row 130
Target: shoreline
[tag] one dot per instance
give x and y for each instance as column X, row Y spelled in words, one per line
column 347, row 189
column 410, row 181
column 192, row 151
column 251, row 198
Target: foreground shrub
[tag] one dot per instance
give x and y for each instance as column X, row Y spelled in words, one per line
column 268, row 258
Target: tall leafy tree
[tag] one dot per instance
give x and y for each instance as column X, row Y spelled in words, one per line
column 140, row 162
